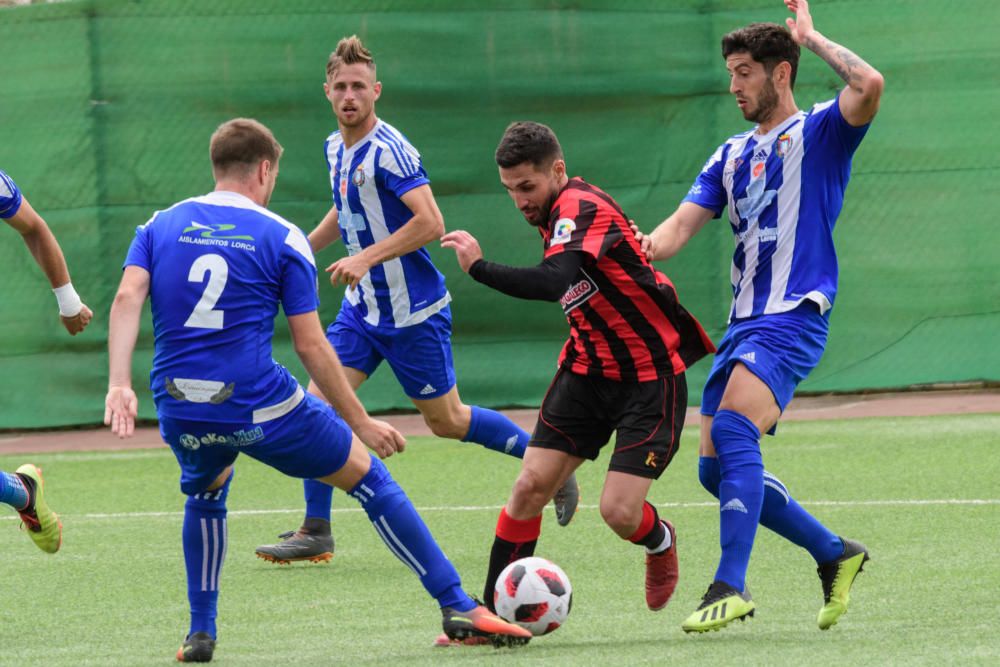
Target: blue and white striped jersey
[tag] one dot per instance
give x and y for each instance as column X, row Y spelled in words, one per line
column 368, row 180
column 784, row 191
column 10, row 196
column 219, row 266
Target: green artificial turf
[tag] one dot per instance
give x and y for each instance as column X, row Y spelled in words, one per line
column 115, row 593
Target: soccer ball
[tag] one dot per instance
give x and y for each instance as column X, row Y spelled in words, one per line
column 534, row 593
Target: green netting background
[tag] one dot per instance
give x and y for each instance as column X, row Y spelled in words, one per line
column 106, row 109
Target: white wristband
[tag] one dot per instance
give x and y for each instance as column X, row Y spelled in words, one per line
column 69, row 301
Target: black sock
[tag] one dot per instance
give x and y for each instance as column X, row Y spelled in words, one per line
column 655, row 537
column 29, row 484
column 503, row 554
column 313, row 526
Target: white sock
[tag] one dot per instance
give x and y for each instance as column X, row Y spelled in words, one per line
column 665, row 544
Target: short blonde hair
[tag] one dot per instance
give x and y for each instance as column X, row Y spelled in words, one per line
column 349, row 51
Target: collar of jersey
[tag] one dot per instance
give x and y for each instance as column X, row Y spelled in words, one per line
column 228, row 196
column 365, row 139
column 779, row 128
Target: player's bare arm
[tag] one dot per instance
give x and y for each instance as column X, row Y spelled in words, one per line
column 121, row 405
column 426, row 225
column 42, row 244
column 326, row 232
column 673, row 233
column 323, row 366
column 859, row 101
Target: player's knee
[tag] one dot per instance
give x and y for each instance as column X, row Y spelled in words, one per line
column 377, row 491
column 733, row 431
column 531, row 491
column 446, row 425
column 213, row 500
column 620, row 518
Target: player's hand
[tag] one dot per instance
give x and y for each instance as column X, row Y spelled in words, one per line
column 78, row 322
column 645, row 242
column 381, row 438
column 802, row 25
column 466, row 247
column 120, row 409
column 348, row 270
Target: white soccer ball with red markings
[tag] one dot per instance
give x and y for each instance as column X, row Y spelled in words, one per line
column 534, row 593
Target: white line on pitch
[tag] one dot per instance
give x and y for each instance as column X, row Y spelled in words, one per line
column 496, row 508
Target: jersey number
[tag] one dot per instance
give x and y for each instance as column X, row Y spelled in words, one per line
column 204, row 315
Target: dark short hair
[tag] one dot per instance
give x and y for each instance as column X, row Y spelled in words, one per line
column 241, row 144
column 526, row 141
column 767, row 43
column 349, row 51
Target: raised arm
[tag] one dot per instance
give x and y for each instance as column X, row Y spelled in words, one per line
column 326, row 232
column 426, row 225
column 121, row 405
column 673, row 233
column 42, row 245
column 323, row 366
column 859, row 100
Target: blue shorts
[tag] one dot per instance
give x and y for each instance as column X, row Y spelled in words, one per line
column 780, row 349
column 310, row 441
column 419, row 355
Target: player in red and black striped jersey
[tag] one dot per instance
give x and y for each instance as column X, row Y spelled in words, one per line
column 621, row 371
column 625, row 321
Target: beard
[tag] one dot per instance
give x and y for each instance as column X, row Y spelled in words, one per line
column 766, row 103
column 543, row 211
column 359, row 118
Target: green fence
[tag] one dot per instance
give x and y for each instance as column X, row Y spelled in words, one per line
column 107, row 107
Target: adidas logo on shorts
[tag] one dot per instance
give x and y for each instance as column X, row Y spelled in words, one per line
column 428, row 389
column 750, row 357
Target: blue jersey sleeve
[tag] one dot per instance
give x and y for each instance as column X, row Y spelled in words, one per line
column 708, row 190
column 10, row 197
column 401, row 169
column 827, row 125
column 299, row 286
column 140, row 252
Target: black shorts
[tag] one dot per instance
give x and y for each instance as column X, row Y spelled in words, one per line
column 579, row 413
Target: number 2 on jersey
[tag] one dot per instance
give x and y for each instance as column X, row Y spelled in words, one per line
column 204, row 315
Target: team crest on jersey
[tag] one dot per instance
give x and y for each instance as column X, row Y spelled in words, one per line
column 562, row 232
column 783, row 145
column 358, row 177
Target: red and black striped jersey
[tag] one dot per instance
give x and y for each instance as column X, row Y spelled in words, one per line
column 626, row 323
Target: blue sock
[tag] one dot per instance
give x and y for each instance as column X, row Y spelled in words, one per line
column 494, row 431
column 741, row 493
column 319, row 498
column 790, row 520
column 709, row 474
column 781, row 514
column 404, row 532
column 13, row 491
column 205, row 538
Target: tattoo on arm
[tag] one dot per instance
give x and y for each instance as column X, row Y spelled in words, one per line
column 844, row 62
